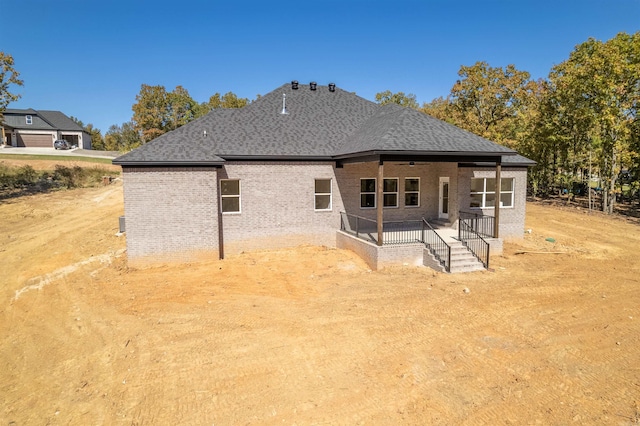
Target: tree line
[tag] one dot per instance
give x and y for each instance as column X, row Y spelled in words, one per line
column 579, row 122
column 157, row 111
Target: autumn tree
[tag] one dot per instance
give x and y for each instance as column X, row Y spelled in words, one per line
column 150, row 112
column 8, row 76
column 386, row 97
column 486, row 100
column 157, row 111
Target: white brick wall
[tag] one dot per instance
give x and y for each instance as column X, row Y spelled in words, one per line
column 171, row 213
column 278, row 206
column 511, row 219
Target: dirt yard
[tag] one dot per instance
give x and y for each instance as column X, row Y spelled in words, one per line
column 311, row 336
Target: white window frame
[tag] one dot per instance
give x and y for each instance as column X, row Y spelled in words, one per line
column 29, row 119
column 238, row 196
column 396, row 193
column 375, row 201
column 316, row 194
column 411, row 192
column 484, row 193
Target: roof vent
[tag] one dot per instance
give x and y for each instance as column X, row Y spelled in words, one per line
column 332, row 87
column 313, row 85
column 294, row 84
column 284, row 105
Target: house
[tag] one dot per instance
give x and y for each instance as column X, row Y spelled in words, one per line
column 31, row 128
column 312, row 164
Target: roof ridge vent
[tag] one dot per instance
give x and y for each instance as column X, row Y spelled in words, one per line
column 332, row 87
column 294, row 84
column 313, row 85
column 284, row 105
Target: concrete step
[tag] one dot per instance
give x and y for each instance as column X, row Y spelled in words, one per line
column 462, row 260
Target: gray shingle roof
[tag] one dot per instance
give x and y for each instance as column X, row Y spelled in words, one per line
column 320, row 124
column 41, row 120
column 60, row 121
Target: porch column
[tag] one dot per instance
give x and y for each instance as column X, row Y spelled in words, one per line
column 379, row 195
column 496, row 214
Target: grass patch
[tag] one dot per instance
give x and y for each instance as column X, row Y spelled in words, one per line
column 24, row 180
column 54, row 158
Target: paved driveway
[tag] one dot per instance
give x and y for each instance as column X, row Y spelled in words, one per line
column 52, row 151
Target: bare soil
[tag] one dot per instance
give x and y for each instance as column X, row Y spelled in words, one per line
column 310, row 335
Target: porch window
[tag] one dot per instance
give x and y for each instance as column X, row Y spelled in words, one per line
column 412, row 192
column 230, row 195
column 367, row 193
column 390, row 192
column 29, row 119
column 483, row 192
column 323, row 194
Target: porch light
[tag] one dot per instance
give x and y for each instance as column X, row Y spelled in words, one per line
column 411, row 164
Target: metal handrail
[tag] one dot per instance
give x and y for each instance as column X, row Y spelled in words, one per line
column 436, row 245
column 473, row 241
column 396, row 232
column 481, row 224
column 359, row 226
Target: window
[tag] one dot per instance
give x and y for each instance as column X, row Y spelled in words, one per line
column 390, row 193
column 412, row 192
column 29, row 119
column 367, row 193
column 230, row 195
column 483, row 192
column 323, row 194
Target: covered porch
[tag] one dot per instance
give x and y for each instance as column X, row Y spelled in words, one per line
column 445, row 234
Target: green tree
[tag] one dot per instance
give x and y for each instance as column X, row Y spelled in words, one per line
column 97, row 142
column 181, row 108
column 122, row 138
column 150, row 112
column 386, row 97
column 8, row 76
column 598, row 95
column 216, row 101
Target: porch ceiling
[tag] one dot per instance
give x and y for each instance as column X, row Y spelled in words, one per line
column 431, row 157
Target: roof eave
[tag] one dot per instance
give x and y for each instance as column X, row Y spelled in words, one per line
column 425, row 153
column 140, row 163
column 277, row 157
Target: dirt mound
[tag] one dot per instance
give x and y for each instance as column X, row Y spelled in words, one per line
column 311, row 335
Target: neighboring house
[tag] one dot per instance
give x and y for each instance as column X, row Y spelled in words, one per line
column 31, row 128
column 319, row 165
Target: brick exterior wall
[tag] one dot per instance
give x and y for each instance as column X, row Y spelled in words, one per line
column 380, row 257
column 511, row 219
column 349, row 181
column 278, row 206
column 170, row 213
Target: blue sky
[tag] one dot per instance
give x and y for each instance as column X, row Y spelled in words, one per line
column 88, row 58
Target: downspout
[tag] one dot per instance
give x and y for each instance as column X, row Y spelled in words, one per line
column 220, row 225
column 379, row 195
column 496, row 214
